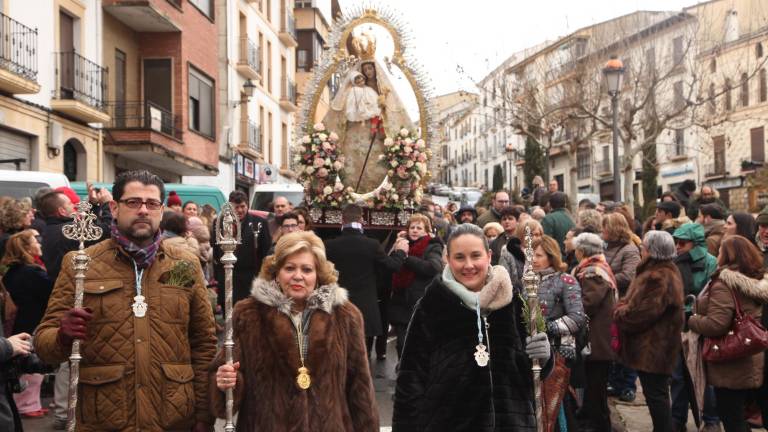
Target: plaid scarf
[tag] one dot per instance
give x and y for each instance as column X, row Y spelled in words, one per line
column 600, row 266
column 143, row 257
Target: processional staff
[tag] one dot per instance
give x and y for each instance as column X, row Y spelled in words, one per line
column 81, row 229
column 228, row 236
column 535, row 319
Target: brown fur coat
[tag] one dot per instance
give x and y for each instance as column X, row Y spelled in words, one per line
column 341, row 397
column 650, row 318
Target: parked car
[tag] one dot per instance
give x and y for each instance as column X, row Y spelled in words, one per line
column 470, row 197
column 441, row 190
column 264, row 194
column 198, row 193
column 21, row 184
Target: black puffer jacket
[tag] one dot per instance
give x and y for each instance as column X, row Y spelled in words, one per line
column 425, row 268
column 439, row 385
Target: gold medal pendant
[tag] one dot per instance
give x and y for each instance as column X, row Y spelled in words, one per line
column 302, row 379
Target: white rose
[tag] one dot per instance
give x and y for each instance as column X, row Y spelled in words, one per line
column 403, row 132
column 337, row 165
column 409, row 164
column 319, row 127
column 327, row 190
column 327, row 162
column 381, row 157
column 388, row 142
column 333, row 137
column 395, row 197
column 309, row 170
column 421, row 144
column 408, row 141
column 306, row 139
column 393, row 164
column 323, row 137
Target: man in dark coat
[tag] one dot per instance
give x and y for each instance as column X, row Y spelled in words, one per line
column 684, row 193
column 558, row 222
column 509, row 217
column 254, row 246
column 358, row 259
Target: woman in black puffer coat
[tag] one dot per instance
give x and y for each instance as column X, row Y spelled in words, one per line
column 466, row 363
column 424, row 262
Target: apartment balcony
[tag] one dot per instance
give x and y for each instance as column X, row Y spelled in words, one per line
column 250, row 139
column 288, row 95
column 18, row 57
column 603, row 168
column 144, row 132
column 287, row 33
column 80, row 87
column 249, row 63
column 715, row 170
column 145, row 16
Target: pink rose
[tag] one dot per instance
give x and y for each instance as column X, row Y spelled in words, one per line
column 422, row 157
column 319, row 127
column 322, row 172
column 318, row 162
column 327, row 146
column 333, row 137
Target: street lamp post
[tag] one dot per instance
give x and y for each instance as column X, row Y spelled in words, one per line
column 510, row 149
column 614, row 75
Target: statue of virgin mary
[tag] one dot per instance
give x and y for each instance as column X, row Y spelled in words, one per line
column 361, row 135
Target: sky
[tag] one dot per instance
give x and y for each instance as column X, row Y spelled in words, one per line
column 478, row 35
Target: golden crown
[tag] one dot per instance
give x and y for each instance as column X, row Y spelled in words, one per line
column 364, row 46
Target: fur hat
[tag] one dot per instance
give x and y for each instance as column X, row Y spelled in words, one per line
column 173, row 199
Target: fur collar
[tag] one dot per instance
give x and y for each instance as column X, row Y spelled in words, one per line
column 324, row 298
column 752, row 288
column 495, row 294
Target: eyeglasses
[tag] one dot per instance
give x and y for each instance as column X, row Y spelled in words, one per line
column 136, row 203
column 290, row 227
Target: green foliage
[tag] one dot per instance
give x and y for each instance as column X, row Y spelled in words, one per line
column 649, row 182
column 498, row 178
column 182, row 274
column 535, row 160
column 541, row 325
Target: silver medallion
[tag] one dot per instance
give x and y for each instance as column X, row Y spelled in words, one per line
column 139, row 306
column 481, row 355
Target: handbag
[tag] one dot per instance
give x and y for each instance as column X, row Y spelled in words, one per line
column 746, row 338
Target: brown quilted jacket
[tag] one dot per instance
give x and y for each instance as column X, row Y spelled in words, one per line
column 136, row 373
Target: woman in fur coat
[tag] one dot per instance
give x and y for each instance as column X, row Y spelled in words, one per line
column 300, row 358
column 740, row 276
column 650, row 319
column 465, row 365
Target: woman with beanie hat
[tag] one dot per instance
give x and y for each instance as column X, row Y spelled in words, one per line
column 173, row 202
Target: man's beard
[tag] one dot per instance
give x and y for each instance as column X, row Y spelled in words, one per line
column 139, row 235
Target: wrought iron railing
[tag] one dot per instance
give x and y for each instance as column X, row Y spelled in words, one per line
column 251, row 135
column 144, row 116
column 289, row 90
column 289, row 24
column 714, row 169
column 603, row 166
column 249, row 53
column 79, row 79
column 18, row 48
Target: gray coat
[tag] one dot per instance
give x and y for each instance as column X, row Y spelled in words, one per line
column 623, row 259
column 560, row 300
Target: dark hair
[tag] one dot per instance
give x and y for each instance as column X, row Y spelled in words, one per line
column 669, row 194
column 238, row 197
column 466, row 229
column 142, row 176
column 39, row 194
column 174, row 222
column 289, row 215
column 712, row 210
column 188, row 203
column 745, row 225
column 557, row 200
column 351, row 213
column 50, row 202
column 671, row 207
column 587, row 204
column 301, row 211
column 510, row 211
column 738, row 253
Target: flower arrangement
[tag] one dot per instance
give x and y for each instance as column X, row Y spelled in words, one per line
column 405, row 157
column 321, row 169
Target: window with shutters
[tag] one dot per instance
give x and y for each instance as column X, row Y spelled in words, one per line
column 759, row 50
column 763, row 85
column 679, row 96
column 744, row 94
column 728, row 100
column 582, row 163
column 718, row 144
column 712, row 100
column 757, row 139
column 677, row 52
column 201, row 103
column 679, row 149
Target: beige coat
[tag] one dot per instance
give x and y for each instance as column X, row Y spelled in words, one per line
column 146, row 373
column 715, row 310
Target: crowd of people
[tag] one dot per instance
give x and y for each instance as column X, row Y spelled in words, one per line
column 620, row 298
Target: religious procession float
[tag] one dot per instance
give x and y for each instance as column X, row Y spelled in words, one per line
column 365, row 129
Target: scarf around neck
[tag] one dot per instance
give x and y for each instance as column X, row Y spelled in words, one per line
column 142, row 256
column 600, row 267
column 404, row 278
column 495, row 294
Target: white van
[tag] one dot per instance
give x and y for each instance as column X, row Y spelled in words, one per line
column 264, row 194
column 22, row 184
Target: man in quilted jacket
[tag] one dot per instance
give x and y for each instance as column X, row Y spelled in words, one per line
column 146, row 323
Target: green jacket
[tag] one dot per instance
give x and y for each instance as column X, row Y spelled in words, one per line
column 697, row 265
column 556, row 225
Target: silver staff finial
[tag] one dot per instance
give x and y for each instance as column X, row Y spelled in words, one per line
column 83, row 227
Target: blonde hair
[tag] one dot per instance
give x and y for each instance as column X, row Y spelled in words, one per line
column 493, row 226
column 533, row 223
column 13, row 213
column 17, row 249
column 297, row 242
column 418, row 217
column 616, row 227
column 552, row 249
